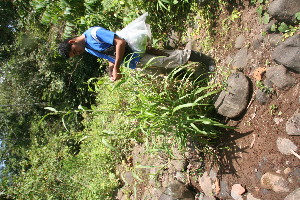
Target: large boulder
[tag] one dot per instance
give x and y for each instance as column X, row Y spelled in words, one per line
column 284, row 10
column 288, row 53
column 233, row 101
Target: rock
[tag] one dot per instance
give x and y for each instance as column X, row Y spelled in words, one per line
column 224, row 193
column 284, row 10
column 274, row 182
column 287, row 170
column 177, row 190
column 178, row 165
column 236, row 191
column 206, row 184
column 233, row 101
column 294, row 195
column 256, row 43
column 280, row 77
column 284, row 145
column 181, row 177
column 240, row 42
column 288, row 53
column 128, row 178
column 293, row 125
column 251, row 197
column 296, row 174
column 241, row 58
column 274, row 40
column 262, row 97
column 229, row 59
column 152, row 193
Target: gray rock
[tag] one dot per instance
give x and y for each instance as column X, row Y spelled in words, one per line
column 293, row 125
column 224, row 193
column 274, row 182
column 274, row 39
column 262, row 97
column 256, row 43
column 240, row 42
column 128, row 178
column 206, row 184
column 177, row 190
column 294, row 195
column 151, row 193
column 280, row 77
column 241, row 58
column 233, row 101
column 284, row 10
column 288, row 53
column 178, row 165
column 296, row 174
column 284, row 145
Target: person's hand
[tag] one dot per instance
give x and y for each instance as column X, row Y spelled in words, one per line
column 116, row 74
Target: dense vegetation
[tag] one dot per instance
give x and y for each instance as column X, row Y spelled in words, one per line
column 65, row 126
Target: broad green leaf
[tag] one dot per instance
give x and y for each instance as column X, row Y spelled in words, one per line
column 283, row 27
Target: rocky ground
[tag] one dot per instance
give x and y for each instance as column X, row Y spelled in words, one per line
column 260, row 159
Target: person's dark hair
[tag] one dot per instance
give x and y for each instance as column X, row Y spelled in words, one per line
column 65, row 48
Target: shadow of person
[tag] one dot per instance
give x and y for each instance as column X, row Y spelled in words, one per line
column 227, row 152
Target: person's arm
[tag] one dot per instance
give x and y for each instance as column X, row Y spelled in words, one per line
column 120, row 50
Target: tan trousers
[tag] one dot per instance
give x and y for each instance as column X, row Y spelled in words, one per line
column 175, row 59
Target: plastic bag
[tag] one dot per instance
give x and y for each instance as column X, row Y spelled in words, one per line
column 137, row 34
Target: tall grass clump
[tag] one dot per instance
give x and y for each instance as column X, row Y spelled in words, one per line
column 160, row 111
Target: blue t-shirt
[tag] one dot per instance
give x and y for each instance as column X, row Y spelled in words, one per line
column 98, row 39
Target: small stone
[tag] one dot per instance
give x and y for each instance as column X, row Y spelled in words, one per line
column 177, row 190
column 294, row 195
column 206, row 184
column 293, row 125
column 224, row 193
column 287, row 170
column 274, row 182
column 128, row 178
column 237, row 190
column 262, row 97
column 278, row 120
column 274, row 39
column 241, row 59
column 285, row 146
column 240, row 42
column 280, row 77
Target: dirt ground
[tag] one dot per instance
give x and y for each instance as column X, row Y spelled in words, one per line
column 252, row 146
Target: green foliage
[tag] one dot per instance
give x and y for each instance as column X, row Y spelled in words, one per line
column 297, row 16
column 71, row 152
